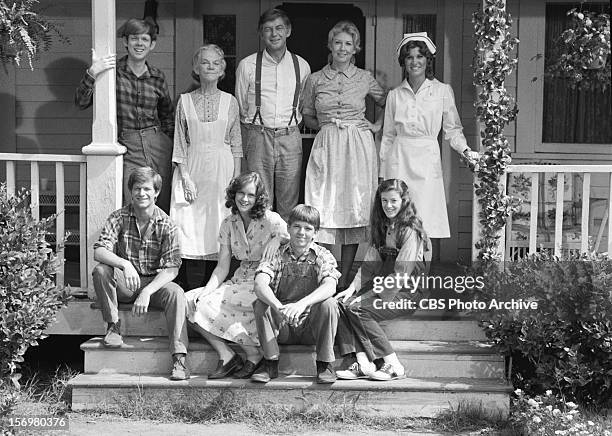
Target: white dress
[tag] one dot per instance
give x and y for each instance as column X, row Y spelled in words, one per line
column 410, row 150
column 211, row 166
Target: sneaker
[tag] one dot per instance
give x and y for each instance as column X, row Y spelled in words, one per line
column 325, row 373
column 179, row 370
column 113, row 339
column 386, row 373
column 266, row 372
column 354, row 372
column 225, row 370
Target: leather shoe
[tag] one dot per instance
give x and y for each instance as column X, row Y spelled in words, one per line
column 179, row 369
column 224, row 370
column 113, row 339
column 248, row 369
column 325, row 373
column 267, row 371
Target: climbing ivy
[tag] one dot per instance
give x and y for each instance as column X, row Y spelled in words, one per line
column 493, row 61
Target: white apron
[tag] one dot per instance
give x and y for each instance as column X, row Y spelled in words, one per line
column 211, row 165
column 416, row 160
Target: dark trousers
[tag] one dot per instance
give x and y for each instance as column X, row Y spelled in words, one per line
column 148, row 147
column 359, row 329
column 319, row 329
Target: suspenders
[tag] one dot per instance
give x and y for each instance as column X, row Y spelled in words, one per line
column 296, row 93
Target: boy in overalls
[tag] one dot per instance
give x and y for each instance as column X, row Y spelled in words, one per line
column 295, row 302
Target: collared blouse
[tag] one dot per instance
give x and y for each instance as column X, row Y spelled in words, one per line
column 332, row 94
column 422, row 114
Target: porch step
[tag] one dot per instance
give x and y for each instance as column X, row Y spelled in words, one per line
column 79, row 318
column 408, row 397
column 420, row 358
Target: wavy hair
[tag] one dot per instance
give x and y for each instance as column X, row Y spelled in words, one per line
column 405, row 51
column 134, row 26
column 262, row 201
column 197, row 57
column 344, row 27
column 406, row 218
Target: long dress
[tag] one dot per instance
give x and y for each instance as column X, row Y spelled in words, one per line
column 410, row 150
column 341, row 176
column 203, row 146
column 227, row 312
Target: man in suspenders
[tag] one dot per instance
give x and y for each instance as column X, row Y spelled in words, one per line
column 269, row 85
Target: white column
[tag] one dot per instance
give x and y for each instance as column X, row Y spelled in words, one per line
column 104, row 154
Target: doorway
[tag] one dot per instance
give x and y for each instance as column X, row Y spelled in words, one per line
column 310, row 25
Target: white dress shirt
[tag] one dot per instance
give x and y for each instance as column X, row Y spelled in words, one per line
column 277, row 89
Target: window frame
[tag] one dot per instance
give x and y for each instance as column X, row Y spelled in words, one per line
column 530, row 95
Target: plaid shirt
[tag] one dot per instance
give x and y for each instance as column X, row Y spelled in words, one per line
column 321, row 257
column 141, row 101
column 157, row 249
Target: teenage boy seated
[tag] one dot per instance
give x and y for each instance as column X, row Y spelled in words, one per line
column 295, row 303
column 139, row 256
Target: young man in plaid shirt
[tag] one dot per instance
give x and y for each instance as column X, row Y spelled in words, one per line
column 295, row 302
column 139, row 256
column 145, row 112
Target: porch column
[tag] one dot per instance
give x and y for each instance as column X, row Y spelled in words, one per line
column 475, row 205
column 104, row 154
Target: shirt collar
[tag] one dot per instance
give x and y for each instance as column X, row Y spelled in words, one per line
column 312, row 248
column 151, row 70
column 331, row 74
column 156, row 217
column 425, row 85
column 269, row 58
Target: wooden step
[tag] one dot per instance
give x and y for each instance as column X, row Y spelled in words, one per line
column 80, row 319
column 149, row 355
column 408, row 397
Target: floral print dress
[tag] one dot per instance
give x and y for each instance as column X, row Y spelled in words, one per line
column 227, row 312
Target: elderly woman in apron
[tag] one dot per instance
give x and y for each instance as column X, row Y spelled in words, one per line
column 207, row 154
column 416, row 111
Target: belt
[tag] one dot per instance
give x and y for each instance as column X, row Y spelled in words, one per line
column 140, row 131
column 274, row 131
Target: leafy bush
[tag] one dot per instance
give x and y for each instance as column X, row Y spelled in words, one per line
column 29, row 298
column 566, row 343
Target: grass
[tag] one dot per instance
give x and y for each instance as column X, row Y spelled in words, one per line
column 299, row 413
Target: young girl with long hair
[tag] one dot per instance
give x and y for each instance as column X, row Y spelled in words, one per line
column 397, row 250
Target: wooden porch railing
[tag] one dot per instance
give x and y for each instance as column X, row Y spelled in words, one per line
column 59, row 198
column 533, row 196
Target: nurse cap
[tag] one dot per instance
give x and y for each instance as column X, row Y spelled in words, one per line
column 418, row 36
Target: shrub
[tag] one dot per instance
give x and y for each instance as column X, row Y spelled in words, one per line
column 566, row 343
column 29, row 298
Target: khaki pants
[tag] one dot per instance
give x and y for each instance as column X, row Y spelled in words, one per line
column 110, row 288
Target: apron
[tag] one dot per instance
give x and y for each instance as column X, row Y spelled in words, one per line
column 416, row 160
column 211, row 165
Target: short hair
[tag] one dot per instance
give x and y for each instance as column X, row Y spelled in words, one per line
column 144, row 175
column 135, row 26
column 262, row 201
column 308, row 214
column 405, row 51
column 197, row 56
column 271, row 15
column 346, row 27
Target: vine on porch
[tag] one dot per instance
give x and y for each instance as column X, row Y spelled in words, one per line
column 495, row 108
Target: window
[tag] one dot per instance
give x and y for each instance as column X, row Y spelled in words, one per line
column 221, row 30
column 570, row 115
